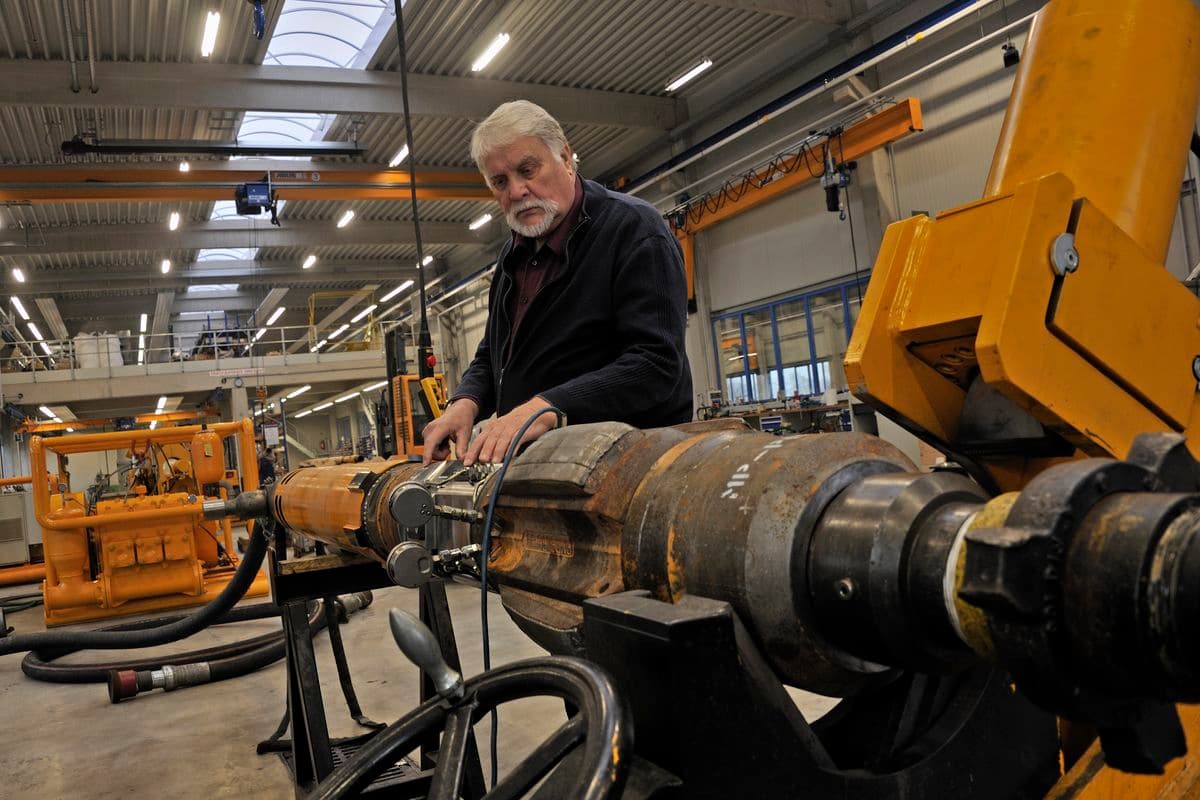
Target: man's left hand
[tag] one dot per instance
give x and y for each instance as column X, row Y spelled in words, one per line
column 492, row 445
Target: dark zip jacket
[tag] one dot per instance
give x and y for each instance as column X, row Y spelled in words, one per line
column 603, row 339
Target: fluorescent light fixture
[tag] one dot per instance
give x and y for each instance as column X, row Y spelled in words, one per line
column 375, row 386
column 395, row 291
column 690, row 75
column 70, row 430
column 142, row 324
column 346, row 218
column 323, row 406
column 346, row 397
column 309, row 261
column 16, row 301
column 338, row 332
column 303, row 414
column 479, row 223
column 173, row 222
column 18, row 274
column 165, row 266
column 364, row 312
column 141, row 348
column 318, row 345
column 401, row 154
column 261, row 333
column 299, row 391
column 58, row 419
column 185, row 166
column 276, row 314
column 425, row 262
column 47, row 412
column 211, row 24
column 153, row 424
column 162, row 403
column 486, row 57
column 46, row 348
column 33, row 328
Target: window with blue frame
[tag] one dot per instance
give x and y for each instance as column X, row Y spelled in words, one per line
column 794, row 346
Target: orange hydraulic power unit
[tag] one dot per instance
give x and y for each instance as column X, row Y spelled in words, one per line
column 145, row 547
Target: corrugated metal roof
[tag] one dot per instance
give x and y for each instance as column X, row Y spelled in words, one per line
column 91, row 262
column 617, row 45
column 131, row 30
column 383, row 253
column 440, row 141
column 34, row 134
column 71, row 214
column 386, row 210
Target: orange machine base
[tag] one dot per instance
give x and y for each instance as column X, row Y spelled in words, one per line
column 213, row 584
column 1090, row 779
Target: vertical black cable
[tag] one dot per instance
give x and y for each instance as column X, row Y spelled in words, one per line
column 424, row 339
column 853, row 247
column 850, row 219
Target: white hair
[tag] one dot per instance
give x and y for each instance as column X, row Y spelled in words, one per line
column 509, row 122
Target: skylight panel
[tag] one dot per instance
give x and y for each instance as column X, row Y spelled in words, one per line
column 213, row 288
column 228, row 253
column 324, row 33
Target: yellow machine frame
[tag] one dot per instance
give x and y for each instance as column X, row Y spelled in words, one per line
column 433, row 398
column 147, row 551
column 1050, row 291
column 1101, row 346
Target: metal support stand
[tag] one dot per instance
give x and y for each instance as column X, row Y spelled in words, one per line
column 700, row 688
column 313, row 754
column 435, row 613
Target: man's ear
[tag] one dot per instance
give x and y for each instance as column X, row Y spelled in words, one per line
column 568, row 157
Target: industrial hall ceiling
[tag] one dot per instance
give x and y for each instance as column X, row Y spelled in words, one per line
column 92, row 240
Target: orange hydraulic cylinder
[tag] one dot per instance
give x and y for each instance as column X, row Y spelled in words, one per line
column 16, row 481
column 1106, row 94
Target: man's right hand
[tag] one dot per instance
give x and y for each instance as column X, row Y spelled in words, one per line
column 452, row 426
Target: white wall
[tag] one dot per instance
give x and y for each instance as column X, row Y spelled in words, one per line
column 785, row 245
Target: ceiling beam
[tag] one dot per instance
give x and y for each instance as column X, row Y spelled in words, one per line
column 120, row 307
column 75, row 184
column 269, row 304
column 251, row 87
column 825, row 12
column 245, row 273
column 222, row 233
column 158, row 342
column 53, row 319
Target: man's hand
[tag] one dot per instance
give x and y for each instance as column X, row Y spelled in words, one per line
column 453, row 425
column 493, row 443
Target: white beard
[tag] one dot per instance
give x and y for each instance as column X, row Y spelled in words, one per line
column 550, row 211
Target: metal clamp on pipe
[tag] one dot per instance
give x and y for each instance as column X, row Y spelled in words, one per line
column 410, row 564
column 412, row 505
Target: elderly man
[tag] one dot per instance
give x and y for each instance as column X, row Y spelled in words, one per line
column 587, row 308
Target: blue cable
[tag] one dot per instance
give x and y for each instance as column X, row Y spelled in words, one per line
column 486, row 550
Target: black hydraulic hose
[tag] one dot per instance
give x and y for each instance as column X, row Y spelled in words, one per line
column 237, row 587
column 125, row 684
column 37, row 662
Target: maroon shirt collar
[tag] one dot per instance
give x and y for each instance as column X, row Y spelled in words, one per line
column 557, row 240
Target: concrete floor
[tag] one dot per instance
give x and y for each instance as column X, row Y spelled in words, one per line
column 68, row 740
